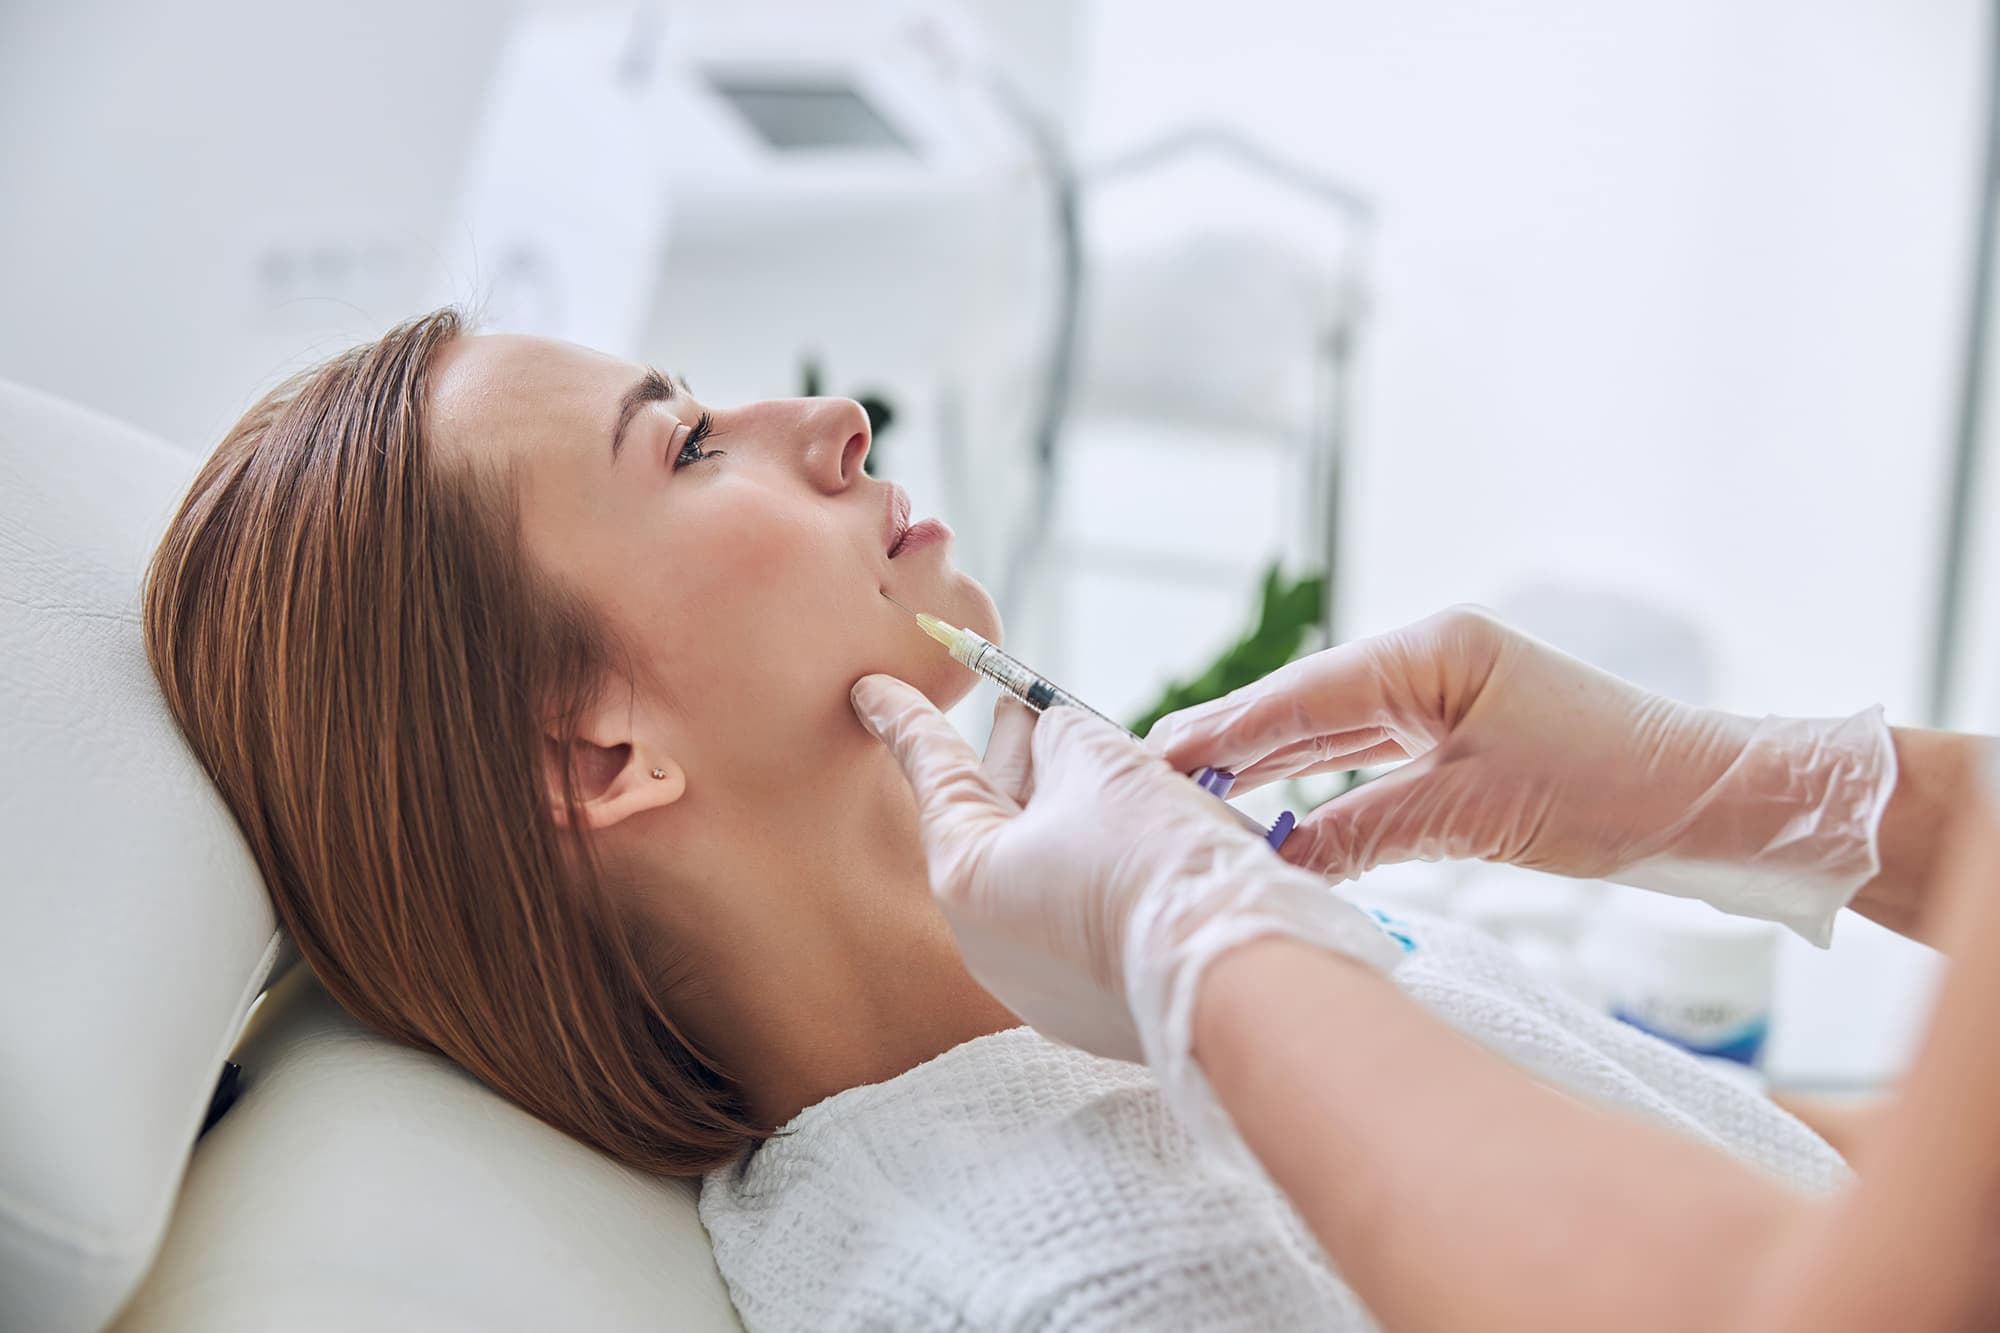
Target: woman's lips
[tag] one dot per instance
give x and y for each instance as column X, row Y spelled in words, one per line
column 895, row 517
column 919, row 535
column 904, row 536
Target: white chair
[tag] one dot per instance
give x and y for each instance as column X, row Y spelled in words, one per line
column 355, row 1183
column 360, row 1185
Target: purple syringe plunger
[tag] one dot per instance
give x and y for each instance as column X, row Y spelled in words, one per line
column 1217, row 782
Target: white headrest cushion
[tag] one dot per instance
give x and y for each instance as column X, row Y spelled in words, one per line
column 358, row 1184
column 134, row 929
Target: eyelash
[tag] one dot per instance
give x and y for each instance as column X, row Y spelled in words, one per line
column 704, row 426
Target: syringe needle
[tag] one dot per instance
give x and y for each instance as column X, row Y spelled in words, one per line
column 893, row 601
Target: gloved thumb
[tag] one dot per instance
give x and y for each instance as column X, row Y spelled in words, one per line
column 956, row 799
column 1397, row 817
column 1010, row 758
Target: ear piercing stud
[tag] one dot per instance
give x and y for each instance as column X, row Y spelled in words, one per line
column 660, row 773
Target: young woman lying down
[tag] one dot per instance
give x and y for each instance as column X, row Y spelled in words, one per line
column 492, row 644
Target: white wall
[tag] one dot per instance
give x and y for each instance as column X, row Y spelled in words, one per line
column 162, row 165
column 1667, row 297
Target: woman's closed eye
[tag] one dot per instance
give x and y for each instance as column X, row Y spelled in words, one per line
column 691, row 450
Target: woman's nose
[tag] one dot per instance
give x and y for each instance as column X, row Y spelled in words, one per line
column 837, row 437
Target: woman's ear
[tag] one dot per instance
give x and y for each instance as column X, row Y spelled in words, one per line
column 614, row 780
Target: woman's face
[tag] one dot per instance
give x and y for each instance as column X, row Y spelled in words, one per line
column 743, row 565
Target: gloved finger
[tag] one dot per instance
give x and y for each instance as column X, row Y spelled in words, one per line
column 1010, row 760
column 1267, row 771
column 1360, row 748
column 1334, row 691
column 1067, row 736
column 1404, row 815
column 1093, row 760
column 960, row 809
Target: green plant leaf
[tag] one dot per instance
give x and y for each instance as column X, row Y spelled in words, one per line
column 1288, row 611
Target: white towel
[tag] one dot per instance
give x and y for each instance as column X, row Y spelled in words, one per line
column 1014, row 1183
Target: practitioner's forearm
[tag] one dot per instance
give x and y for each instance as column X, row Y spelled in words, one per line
column 1915, row 1245
column 1932, row 770
column 1454, row 1192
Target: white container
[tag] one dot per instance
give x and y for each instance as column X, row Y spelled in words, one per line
column 1687, row 973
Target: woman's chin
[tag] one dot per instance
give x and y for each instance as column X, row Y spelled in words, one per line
column 947, row 688
column 958, row 600
column 978, row 611
column 944, row 681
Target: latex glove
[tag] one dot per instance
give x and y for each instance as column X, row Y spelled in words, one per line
column 1091, row 905
column 1523, row 754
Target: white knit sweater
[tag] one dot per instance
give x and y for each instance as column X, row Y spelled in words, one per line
column 1014, row 1183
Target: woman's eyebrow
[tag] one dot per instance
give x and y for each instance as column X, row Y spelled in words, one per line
column 653, row 387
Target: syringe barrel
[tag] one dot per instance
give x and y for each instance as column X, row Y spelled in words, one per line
column 1014, row 676
column 1040, row 693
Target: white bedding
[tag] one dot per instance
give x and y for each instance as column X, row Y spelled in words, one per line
column 1014, row 1183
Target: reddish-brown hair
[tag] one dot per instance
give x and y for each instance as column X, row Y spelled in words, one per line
column 353, row 641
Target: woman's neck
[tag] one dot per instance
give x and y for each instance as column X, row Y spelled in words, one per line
column 813, row 957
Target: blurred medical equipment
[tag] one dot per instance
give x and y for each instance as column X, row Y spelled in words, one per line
column 1223, row 313
column 772, row 194
column 1038, row 692
column 354, row 1183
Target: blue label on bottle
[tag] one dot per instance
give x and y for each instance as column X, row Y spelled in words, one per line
column 1745, row 1045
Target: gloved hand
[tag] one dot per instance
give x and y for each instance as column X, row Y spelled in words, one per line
column 1091, row 905
column 1523, row 754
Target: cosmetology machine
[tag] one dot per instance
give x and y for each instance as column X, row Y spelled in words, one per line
column 780, row 198
column 1206, row 433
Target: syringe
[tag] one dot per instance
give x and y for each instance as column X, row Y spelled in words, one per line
column 1040, row 693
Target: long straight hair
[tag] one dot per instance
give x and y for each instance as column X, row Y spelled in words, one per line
column 352, row 638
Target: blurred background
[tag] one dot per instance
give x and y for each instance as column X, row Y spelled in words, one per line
column 1655, row 326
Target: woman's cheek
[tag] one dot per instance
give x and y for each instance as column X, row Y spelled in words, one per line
column 768, row 539
column 977, row 610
